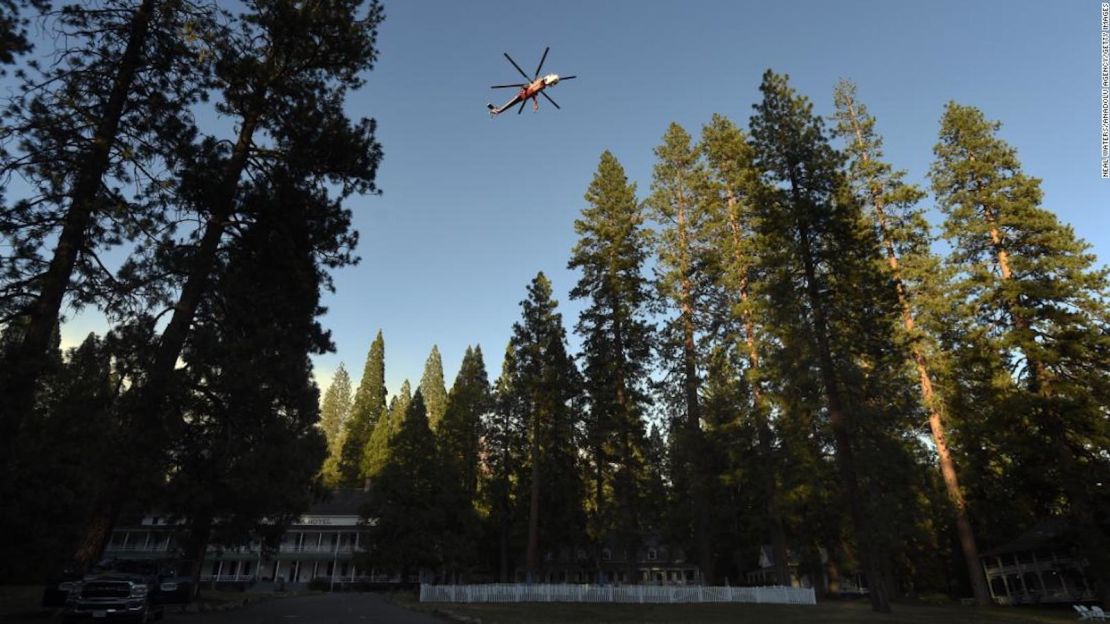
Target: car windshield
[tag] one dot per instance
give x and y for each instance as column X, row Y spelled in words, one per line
column 127, row 567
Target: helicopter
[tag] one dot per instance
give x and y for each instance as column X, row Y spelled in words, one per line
column 528, row 90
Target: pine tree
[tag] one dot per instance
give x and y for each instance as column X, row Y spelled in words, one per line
column 284, row 73
column 815, row 278
column 731, row 223
column 252, row 448
column 409, row 520
column 13, row 29
column 116, row 109
column 616, row 342
column 433, row 387
column 334, row 413
column 1035, row 307
column 505, row 445
column 678, row 181
column 547, row 382
column 905, row 238
column 77, row 427
column 376, row 453
column 366, row 412
column 460, row 431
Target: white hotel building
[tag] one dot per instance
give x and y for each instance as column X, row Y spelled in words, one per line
column 321, row 545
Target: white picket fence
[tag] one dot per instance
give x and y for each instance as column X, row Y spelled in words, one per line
column 515, row 592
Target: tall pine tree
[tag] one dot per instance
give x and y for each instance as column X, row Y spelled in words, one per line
column 548, row 385
column 675, row 203
column 113, row 112
column 504, row 436
column 1036, row 305
column 252, row 448
column 804, row 216
column 616, row 351
column 434, row 389
column 905, row 237
column 460, row 431
column 376, row 453
column 334, row 413
column 730, row 216
column 366, row 411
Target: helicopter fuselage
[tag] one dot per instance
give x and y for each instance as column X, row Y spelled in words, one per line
column 529, row 92
column 539, row 84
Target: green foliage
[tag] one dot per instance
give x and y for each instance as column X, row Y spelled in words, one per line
column 376, row 453
column 505, row 445
column 676, row 203
column 94, row 137
column 252, row 450
column 418, row 518
column 460, row 432
column 74, row 435
column 616, row 351
column 547, row 384
column 434, row 389
column 366, row 411
column 1030, row 345
column 830, row 301
column 13, row 29
column 334, row 413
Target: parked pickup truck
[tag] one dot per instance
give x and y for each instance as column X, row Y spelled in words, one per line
column 114, row 596
column 127, row 590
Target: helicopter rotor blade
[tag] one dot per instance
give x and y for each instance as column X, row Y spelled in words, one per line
column 517, row 67
column 550, row 100
column 521, row 109
column 542, row 59
column 513, row 86
column 562, row 78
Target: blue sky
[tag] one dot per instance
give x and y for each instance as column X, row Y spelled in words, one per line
column 472, row 207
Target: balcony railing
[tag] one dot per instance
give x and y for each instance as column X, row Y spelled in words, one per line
column 160, row 547
column 317, row 548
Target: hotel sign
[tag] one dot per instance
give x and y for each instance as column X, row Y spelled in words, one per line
column 329, row 520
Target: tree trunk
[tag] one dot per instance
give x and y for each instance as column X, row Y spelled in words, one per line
column 763, row 426
column 700, row 502
column 532, row 557
column 838, row 419
column 30, row 356
column 928, row 398
column 199, row 534
column 173, row 338
column 98, row 530
column 503, row 549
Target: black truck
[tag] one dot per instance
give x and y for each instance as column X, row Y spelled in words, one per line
column 135, row 591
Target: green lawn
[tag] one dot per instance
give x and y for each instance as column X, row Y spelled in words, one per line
column 565, row 613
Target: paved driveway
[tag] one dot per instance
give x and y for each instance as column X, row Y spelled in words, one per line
column 338, row 608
